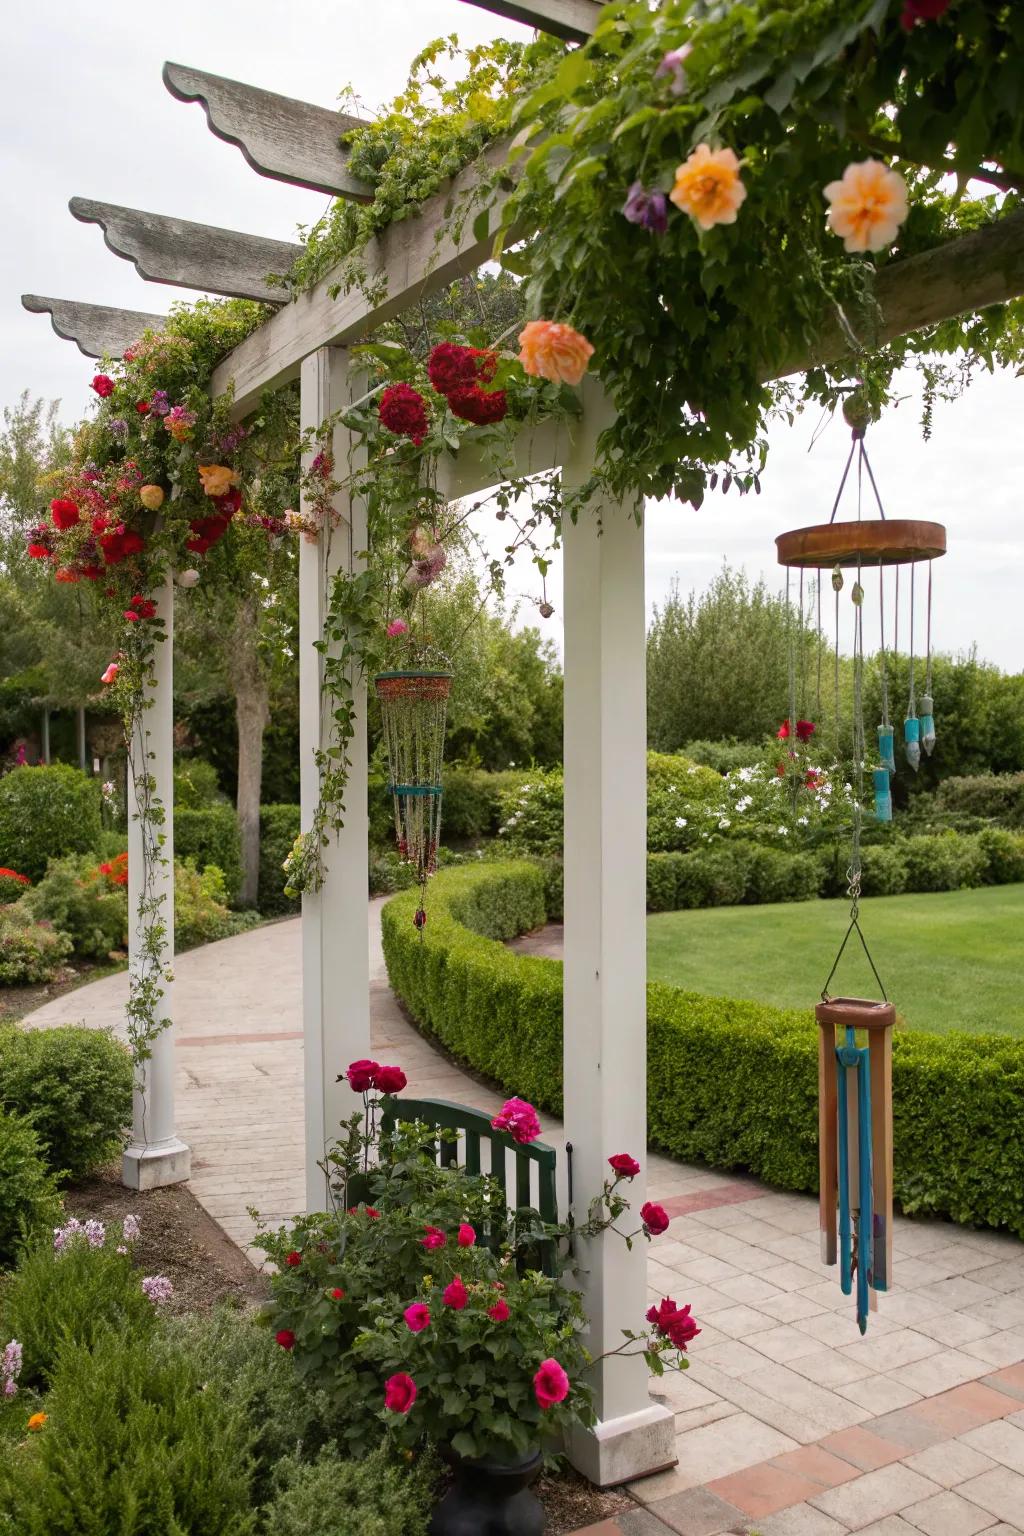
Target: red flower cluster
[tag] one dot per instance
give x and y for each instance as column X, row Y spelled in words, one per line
column 673, row 1323
column 364, row 1075
column 655, row 1218
column 457, row 373
column 403, row 411
column 40, row 542
column 118, row 545
column 625, row 1166
column 921, row 10
column 804, row 730
column 115, row 871
column 499, row 1313
column 140, row 608
column 285, row 1338
column 455, row 1295
column 480, row 406
column 293, row 1259
column 519, row 1119
column 103, row 385
column 65, row 514
column 143, row 407
column 12, row 874
column 434, row 1238
column 208, row 531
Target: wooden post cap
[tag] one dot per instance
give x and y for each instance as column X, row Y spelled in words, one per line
column 855, row 1012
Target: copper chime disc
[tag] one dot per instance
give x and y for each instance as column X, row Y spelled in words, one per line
column 897, row 541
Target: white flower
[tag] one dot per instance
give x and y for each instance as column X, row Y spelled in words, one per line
column 680, row 821
column 783, row 831
column 671, row 789
column 692, row 770
column 744, row 802
column 725, row 822
column 745, row 774
column 801, row 821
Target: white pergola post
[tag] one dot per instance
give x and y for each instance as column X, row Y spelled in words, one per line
column 155, row 1155
column 605, row 969
column 335, row 920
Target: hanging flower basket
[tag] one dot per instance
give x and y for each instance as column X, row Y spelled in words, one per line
column 413, row 707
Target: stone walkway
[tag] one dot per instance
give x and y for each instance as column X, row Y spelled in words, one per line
column 788, row 1422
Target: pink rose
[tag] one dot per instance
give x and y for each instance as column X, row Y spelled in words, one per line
column 399, row 1393
column 390, row 1079
column 417, row 1317
column 625, row 1166
column 499, row 1313
column 467, row 1237
column 655, row 1218
column 397, row 627
column 550, row 1384
column 434, row 1238
column 362, row 1075
column 455, row 1295
column 110, row 675
column 519, row 1119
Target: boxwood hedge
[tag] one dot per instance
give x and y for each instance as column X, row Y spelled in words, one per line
column 730, row 1083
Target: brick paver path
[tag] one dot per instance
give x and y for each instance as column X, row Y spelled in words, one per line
column 788, row 1422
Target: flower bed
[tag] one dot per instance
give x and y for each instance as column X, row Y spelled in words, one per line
column 730, row 1083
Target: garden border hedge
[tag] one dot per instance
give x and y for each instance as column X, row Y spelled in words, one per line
column 730, row 1083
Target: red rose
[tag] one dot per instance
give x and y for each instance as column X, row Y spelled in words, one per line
column 673, row 1323
column 38, row 552
column 390, row 1079
column 362, row 1075
column 550, row 1384
column 480, row 406
column 451, row 367
column 434, row 1238
column 399, row 1393
column 455, row 1295
column 142, row 406
column 625, row 1166
column 499, row 1313
column 337, row 1293
column 782, row 734
column 65, row 514
column 285, row 1338
column 103, row 386
column 132, row 543
column 655, row 1218
column 403, row 411
column 293, row 1259
column 804, row 730
column 417, row 1317
column 467, row 1237
column 373, row 1215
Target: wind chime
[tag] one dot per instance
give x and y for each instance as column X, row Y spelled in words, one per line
column 413, row 707
column 855, row 1078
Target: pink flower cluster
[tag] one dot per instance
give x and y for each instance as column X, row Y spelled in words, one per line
column 519, row 1119
column 365, row 1075
column 94, row 1233
column 10, row 1368
column 158, row 1288
column 673, row 1323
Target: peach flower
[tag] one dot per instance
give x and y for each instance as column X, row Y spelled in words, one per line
column 218, row 478
column 152, row 497
column 553, row 351
column 708, row 186
column 867, row 206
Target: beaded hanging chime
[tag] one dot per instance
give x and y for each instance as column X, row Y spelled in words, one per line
column 413, row 708
column 854, row 1079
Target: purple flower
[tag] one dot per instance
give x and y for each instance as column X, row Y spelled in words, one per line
column 10, row 1366
column 63, row 1235
column 672, row 64
column 95, row 1234
column 117, row 427
column 130, row 1225
column 159, row 403
column 158, row 1288
column 648, row 209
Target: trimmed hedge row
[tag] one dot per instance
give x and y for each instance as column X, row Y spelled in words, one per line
column 210, row 836
column 999, row 796
column 733, row 1084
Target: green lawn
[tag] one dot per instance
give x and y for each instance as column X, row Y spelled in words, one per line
column 954, row 960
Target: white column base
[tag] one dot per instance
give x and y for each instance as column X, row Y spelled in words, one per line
column 619, row 1450
column 154, row 1167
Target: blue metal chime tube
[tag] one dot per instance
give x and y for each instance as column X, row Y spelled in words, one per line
column 886, row 747
column 849, row 1056
column 927, row 722
column 866, row 1226
column 883, row 792
column 845, row 1220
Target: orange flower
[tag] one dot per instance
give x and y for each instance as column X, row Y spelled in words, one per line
column 708, row 186
column 867, row 206
column 553, row 351
column 152, row 497
column 218, row 478
column 37, row 1421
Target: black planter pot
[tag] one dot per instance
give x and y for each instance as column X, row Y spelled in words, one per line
column 491, row 1498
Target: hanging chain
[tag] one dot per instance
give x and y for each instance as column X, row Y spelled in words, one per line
column 801, row 641
column 854, row 871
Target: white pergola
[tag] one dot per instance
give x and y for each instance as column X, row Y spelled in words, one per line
column 604, row 659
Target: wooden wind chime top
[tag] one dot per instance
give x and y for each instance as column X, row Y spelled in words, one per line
column 892, row 541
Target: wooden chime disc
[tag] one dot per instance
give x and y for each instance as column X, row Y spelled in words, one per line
column 896, row 541
column 856, row 1013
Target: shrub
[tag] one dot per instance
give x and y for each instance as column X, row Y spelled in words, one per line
column 711, row 877
column 958, row 1100
column 46, row 813
column 210, row 836
column 12, row 886
column 778, row 876
column 883, row 870
column 75, row 1085
column 380, row 811
column 30, row 952
column 389, row 873
column 471, row 803
column 77, row 900
column 723, row 756
column 75, row 1295
column 279, row 827
column 531, row 813
column 998, row 796
column 200, row 910
column 553, row 871
column 330, row 1497
column 29, row 1202
column 1004, row 855
column 131, row 1435
column 195, row 785
column 662, row 880
column 946, row 863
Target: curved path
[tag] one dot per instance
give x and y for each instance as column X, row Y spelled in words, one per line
column 788, row 1419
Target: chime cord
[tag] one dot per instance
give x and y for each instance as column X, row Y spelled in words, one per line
column 911, row 698
column 883, row 664
column 928, row 637
column 817, row 696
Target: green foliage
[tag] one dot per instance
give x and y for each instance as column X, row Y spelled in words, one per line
column 777, row 876
column 883, row 871
column 378, row 1496
column 279, row 827
column 29, row 1202
column 1003, row 853
column 76, row 1295
column 131, row 1435
column 210, row 836
column 12, row 886
column 200, row 906
column 196, row 785
column 78, row 901
column 29, row 952
column 723, row 756
column 46, row 813
column 752, row 1101
column 943, row 863
column 389, row 873
column 75, row 1085
column 998, row 796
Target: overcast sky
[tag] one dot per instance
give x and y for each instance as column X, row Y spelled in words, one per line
column 83, row 112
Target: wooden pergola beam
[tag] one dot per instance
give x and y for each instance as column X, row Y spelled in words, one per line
column 96, row 329
column 167, row 250
column 573, row 20
column 284, row 139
